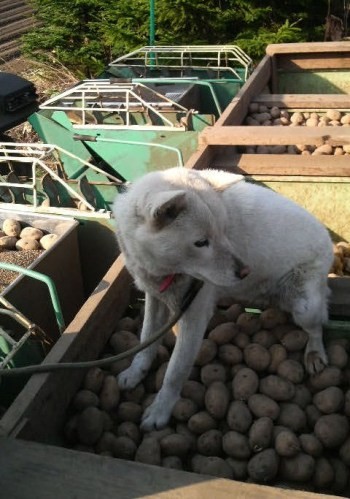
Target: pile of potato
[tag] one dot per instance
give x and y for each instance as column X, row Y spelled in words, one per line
column 15, row 237
column 341, row 263
column 248, row 412
column 261, row 115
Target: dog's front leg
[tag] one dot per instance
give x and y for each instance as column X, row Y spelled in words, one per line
column 156, row 315
column 191, row 330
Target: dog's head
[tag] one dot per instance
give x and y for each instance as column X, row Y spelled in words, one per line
column 177, row 225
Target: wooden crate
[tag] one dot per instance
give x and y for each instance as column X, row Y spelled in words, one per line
column 319, row 183
column 35, row 461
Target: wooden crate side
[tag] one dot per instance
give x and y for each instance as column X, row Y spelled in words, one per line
column 305, row 101
column 29, row 469
column 37, row 412
column 264, row 135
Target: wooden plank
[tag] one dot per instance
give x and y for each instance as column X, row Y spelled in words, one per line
column 201, row 159
column 38, row 410
column 316, row 62
column 264, row 135
column 286, row 164
column 305, row 101
column 307, row 47
column 30, row 469
column 238, row 108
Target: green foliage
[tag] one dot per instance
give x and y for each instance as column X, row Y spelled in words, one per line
column 255, row 43
column 85, row 35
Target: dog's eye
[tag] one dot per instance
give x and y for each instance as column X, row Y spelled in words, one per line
column 201, row 243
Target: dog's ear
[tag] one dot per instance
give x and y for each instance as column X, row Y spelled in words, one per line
column 220, row 180
column 166, row 206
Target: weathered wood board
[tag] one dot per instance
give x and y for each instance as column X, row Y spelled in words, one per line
column 31, row 470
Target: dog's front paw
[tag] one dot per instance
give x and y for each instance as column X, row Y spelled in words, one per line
column 315, row 361
column 131, row 377
column 156, row 416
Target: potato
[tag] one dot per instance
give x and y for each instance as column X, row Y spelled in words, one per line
column 172, row 462
column 256, row 357
column 277, row 354
column 210, row 443
column 149, row 452
column 263, row 406
column 183, row 429
column 329, row 400
column 230, row 354
column 211, row 465
column 341, row 476
column 135, row 394
column 233, row 312
column 158, row 379
column 344, row 452
column 106, row 442
column 211, row 373
column 194, row 391
column 292, row 416
column 295, row 340
column 94, row 379
column 119, row 366
column 130, row 430
column 27, row 244
column 90, row 425
column 236, row 445
column 310, row 444
column 129, row 411
column 206, row 353
column 128, row 324
column 8, row 243
column 330, row 376
column 299, row 468
column 287, row 443
column 312, row 415
column 337, row 355
column 110, row 393
column 201, row 422
column 174, row 445
column 47, row 241
column 347, row 403
column 272, row 317
column 70, row 430
column 264, row 338
column 260, row 434
column 332, row 430
column 11, row 227
column 223, row 333
column 277, row 388
column 184, row 409
column 121, row 341
column 248, row 323
column 263, row 467
column 216, row 399
column 239, row 468
column 302, row 396
column 323, row 474
column 159, row 434
column 31, row 233
column 239, row 417
column 245, row 383
column 85, row 398
column 241, row 340
column 291, row 370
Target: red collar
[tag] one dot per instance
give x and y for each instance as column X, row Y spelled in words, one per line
column 167, row 281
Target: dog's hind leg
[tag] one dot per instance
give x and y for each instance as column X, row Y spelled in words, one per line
column 310, row 312
column 156, row 315
column 191, row 330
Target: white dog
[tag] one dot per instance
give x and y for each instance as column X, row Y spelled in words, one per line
column 241, row 240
